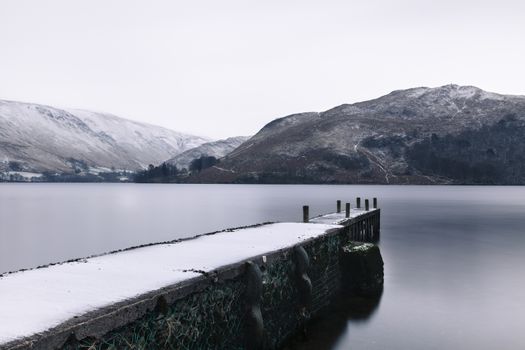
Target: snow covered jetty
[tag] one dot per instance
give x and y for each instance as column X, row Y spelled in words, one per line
column 250, row 287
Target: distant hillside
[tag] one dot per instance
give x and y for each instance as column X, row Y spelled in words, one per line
column 449, row 134
column 217, row 149
column 36, row 138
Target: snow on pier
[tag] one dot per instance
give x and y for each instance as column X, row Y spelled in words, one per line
column 338, row 218
column 37, row 300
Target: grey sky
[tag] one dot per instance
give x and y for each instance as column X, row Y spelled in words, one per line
column 226, row 68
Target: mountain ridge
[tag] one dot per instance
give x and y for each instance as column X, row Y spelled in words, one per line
column 417, row 135
column 217, row 149
column 39, row 138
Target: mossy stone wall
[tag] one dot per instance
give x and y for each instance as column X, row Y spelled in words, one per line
column 213, row 318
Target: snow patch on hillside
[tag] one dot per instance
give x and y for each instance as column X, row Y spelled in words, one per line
column 38, row 138
column 217, row 149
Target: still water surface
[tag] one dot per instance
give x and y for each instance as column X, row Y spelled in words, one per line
column 454, row 256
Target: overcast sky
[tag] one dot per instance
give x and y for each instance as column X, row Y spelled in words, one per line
column 226, row 68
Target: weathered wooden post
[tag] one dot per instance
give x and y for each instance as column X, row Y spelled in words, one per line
column 372, row 227
column 367, row 206
column 338, row 206
column 375, row 203
column 358, row 202
column 306, row 214
column 376, row 228
column 347, row 210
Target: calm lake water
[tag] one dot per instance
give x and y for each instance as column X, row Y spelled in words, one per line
column 454, row 256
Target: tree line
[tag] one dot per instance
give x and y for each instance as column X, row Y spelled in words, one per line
column 170, row 173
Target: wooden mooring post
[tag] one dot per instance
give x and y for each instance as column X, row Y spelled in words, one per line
column 306, row 213
column 358, row 202
column 363, row 227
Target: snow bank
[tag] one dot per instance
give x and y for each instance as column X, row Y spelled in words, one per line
column 37, row 300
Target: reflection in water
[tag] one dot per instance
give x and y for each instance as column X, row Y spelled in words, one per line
column 325, row 331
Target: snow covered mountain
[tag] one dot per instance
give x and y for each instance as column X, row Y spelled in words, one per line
column 217, row 149
column 36, row 138
column 448, row 134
